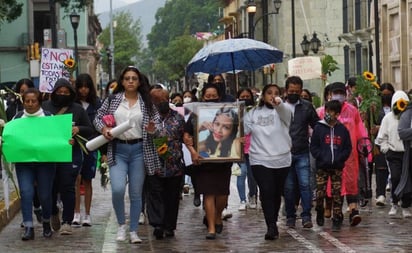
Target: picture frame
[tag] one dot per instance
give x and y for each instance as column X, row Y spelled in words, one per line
column 218, row 131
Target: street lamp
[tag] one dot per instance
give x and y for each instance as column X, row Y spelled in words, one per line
column 305, row 45
column 315, row 43
column 109, row 61
column 74, row 20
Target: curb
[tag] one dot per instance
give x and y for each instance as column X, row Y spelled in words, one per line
column 13, row 210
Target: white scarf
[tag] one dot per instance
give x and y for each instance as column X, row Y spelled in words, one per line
column 39, row 113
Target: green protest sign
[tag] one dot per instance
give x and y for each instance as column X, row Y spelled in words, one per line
column 38, row 139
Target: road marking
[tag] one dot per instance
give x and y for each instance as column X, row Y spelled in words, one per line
column 109, row 244
column 336, row 243
column 304, row 241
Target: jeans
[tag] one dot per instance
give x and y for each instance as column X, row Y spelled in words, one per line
column 246, row 172
column 27, row 175
column 129, row 168
column 298, row 181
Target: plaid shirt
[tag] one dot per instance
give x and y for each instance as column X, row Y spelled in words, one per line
column 150, row 156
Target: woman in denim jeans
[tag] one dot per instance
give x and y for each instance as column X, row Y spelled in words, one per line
column 30, row 172
column 246, row 95
column 130, row 153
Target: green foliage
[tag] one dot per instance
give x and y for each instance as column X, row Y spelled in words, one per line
column 368, row 90
column 74, row 5
column 171, row 43
column 329, row 65
column 172, row 60
column 127, row 42
column 10, row 10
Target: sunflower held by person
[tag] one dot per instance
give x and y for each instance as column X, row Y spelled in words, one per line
column 368, row 89
column 70, row 65
column 399, row 106
column 162, row 147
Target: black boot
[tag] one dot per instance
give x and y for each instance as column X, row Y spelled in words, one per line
column 336, row 224
column 28, row 234
column 47, row 231
column 320, row 218
column 354, row 218
column 272, row 233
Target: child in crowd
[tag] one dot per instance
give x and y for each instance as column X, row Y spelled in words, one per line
column 330, row 146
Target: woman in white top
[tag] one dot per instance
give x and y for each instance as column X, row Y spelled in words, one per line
column 132, row 152
column 269, row 153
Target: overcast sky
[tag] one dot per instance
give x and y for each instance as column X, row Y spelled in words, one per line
column 104, row 5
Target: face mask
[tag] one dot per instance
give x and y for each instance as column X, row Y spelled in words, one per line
column 61, row 100
column 386, row 99
column 111, row 91
column 340, row 97
column 178, row 104
column 270, row 106
column 212, row 100
column 248, row 102
column 293, row 98
column 328, row 118
column 163, row 107
column 187, row 100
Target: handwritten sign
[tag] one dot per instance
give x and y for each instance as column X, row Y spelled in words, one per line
column 306, row 68
column 52, row 67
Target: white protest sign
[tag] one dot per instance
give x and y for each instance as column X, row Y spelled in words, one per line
column 52, row 67
column 306, row 68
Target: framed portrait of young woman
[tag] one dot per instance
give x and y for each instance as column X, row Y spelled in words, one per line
column 219, row 131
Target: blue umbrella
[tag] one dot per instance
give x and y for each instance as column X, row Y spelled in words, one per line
column 233, row 55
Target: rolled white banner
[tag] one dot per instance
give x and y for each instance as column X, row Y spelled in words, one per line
column 100, row 140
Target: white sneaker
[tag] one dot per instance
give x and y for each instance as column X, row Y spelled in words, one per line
column 66, row 229
column 252, row 202
column 380, row 201
column 134, row 238
column 86, row 222
column 406, row 213
column 76, row 220
column 121, row 233
column 242, row 206
column 226, row 214
column 141, row 219
column 394, row 210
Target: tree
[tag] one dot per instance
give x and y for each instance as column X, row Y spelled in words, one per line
column 72, row 5
column 170, row 41
column 127, row 42
column 9, row 10
column 172, row 60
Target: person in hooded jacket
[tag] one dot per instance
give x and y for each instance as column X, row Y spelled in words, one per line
column 63, row 102
column 219, row 81
column 331, row 146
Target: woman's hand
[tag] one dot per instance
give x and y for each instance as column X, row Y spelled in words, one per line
column 150, row 127
column 75, row 130
column 195, row 158
column 277, row 101
column 187, row 140
column 106, row 133
column 206, row 125
column 71, row 141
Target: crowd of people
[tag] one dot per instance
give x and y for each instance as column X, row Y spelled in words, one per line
column 313, row 162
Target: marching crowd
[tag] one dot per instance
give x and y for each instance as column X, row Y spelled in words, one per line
column 315, row 159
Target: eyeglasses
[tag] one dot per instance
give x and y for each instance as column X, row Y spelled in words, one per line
column 134, row 78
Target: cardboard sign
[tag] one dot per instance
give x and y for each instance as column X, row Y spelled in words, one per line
column 52, row 67
column 306, row 68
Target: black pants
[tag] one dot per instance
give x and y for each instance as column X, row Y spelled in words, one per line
column 162, row 201
column 64, row 183
column 395, row 165
column 271, row 183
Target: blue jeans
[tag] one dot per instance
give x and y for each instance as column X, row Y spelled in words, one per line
column 298, row 185
column 246, row 172
column 27, row 175
column 129, row 168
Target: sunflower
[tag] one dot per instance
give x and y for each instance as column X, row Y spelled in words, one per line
column 69, row 63
column 376, row 85
column 401, row 104
column 162, row 149
column 369, row 76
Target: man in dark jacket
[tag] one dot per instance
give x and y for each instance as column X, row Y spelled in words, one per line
column 62, row 102
column 298, row 180
column 331, row 146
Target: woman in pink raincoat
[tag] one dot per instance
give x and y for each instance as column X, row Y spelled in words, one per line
column 349, row 117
